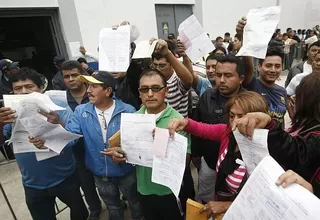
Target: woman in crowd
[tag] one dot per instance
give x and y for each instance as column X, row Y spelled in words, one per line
column 231, row 175
column 298, row 149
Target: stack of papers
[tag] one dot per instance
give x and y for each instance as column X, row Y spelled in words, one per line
column 166, row 156
column 30, row 123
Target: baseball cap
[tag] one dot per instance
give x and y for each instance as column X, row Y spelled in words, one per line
column 8, row 64
column 100, row 77
column 58, row 60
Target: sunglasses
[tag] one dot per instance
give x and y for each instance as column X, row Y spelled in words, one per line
column 153, row 89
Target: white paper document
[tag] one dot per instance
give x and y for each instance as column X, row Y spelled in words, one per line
column 144, row 49
column 261, row 24
column 114, row 49
column 262, row 199
column 136, row 137
column 253, row 151
column 45, row 155
column 169, row 171
column 194, row 38
column 58, row 95
column 55, row 136
column 75, row 49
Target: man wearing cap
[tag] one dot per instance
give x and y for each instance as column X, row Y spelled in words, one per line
column 57, row 80
column 97, row 121
column 7, row 69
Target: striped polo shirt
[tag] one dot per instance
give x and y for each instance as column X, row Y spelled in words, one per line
column 177, row 95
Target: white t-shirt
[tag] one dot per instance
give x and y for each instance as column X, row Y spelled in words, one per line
column 291, row 88
column 104, row 118
column 157, row 115
column 307, row 68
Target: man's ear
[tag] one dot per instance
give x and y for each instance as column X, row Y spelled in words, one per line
column 259, row 67
column 242, row 79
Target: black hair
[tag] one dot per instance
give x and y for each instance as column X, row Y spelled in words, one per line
column 154, row 72
column 157, row 56
column 212, row 57
column 26, row 73
column 219, row 38
column 289, row 29
column 317, row 44
column 274, row 35
column 273, row 51
column 284, row 35
column 217, row 49
column 82, row 60
column 241, row 70
column 72, row 64
column 278, row 30
column 227, row 34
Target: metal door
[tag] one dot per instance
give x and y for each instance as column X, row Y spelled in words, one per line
column 169, row 17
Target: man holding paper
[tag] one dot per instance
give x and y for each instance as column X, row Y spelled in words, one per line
column 97, row 121
column 47, row 179
column 158, row 201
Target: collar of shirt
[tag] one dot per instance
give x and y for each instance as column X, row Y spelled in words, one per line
column 73, row 103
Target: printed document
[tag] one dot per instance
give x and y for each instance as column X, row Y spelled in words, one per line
column 136, row 137
column 114, row 49
column 58, row 95
column 261, row 198
column 253, row 151
column 261, row 24
column 144, row 49
column 194, row 38
column 169, row 171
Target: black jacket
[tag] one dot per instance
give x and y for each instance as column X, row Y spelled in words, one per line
column 210, row 110
column 5, row 86
column 57, row 82
column 127, row 88
column 300, row 153
column 293, row 71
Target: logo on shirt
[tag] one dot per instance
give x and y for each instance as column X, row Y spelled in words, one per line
column 84, row 115
column 263, row 94
column 282, row 100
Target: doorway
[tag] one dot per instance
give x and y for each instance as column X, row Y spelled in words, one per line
column 169, row 17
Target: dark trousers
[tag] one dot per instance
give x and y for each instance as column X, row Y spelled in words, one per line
column 88, row 185
column 187, row 189
column 41, row 202
column 160, row 207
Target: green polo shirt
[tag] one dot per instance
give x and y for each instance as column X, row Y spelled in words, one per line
column 145, row 185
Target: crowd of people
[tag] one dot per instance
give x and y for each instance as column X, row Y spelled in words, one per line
column 237, row 92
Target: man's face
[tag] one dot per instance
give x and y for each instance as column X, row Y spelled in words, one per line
column 227, row 79
column 171, row 39
column 211, row 70
column 316, row 64
column 270, row 69
column 119, row 75
column 237, row 44
column 71, row 79
column 312, row 52
column 285, row 38
column 25, row 87
column 163, row 66
column 290, row 33
column 153, row 100
column 97, row 94
column 219, row 42
column 312, row 33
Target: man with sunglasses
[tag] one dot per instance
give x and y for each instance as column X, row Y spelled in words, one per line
column 97, row 121
column 157, row 201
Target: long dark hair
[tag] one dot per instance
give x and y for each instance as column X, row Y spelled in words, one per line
column 307, row 103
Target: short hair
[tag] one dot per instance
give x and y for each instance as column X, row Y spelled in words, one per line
column 219, row 38
column 82, row 60
column 153, row 72
column 278, row 30
column 72, row 64
column 157, row 56
column 289, row 29
column 248, row 101
column 211, row 57
column 284, row 35
column 219, row 48
column 26, row 73
column 240, row 66
column 273, row 51
column 317, row 44
column 227, row 34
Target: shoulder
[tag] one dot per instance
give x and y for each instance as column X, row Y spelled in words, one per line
column 127, row 108
column 174, row 113
column 281, row 89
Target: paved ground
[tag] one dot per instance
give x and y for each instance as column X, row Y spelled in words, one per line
column 10, row 178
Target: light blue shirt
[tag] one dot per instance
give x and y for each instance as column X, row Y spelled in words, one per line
column 203, row 85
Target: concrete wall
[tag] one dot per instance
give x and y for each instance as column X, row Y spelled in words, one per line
column 28, row 3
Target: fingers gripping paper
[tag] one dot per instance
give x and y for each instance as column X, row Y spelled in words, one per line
column 261, row 24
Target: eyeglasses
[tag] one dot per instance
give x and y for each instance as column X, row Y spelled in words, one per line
column 153, row 89
column 160, row 65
